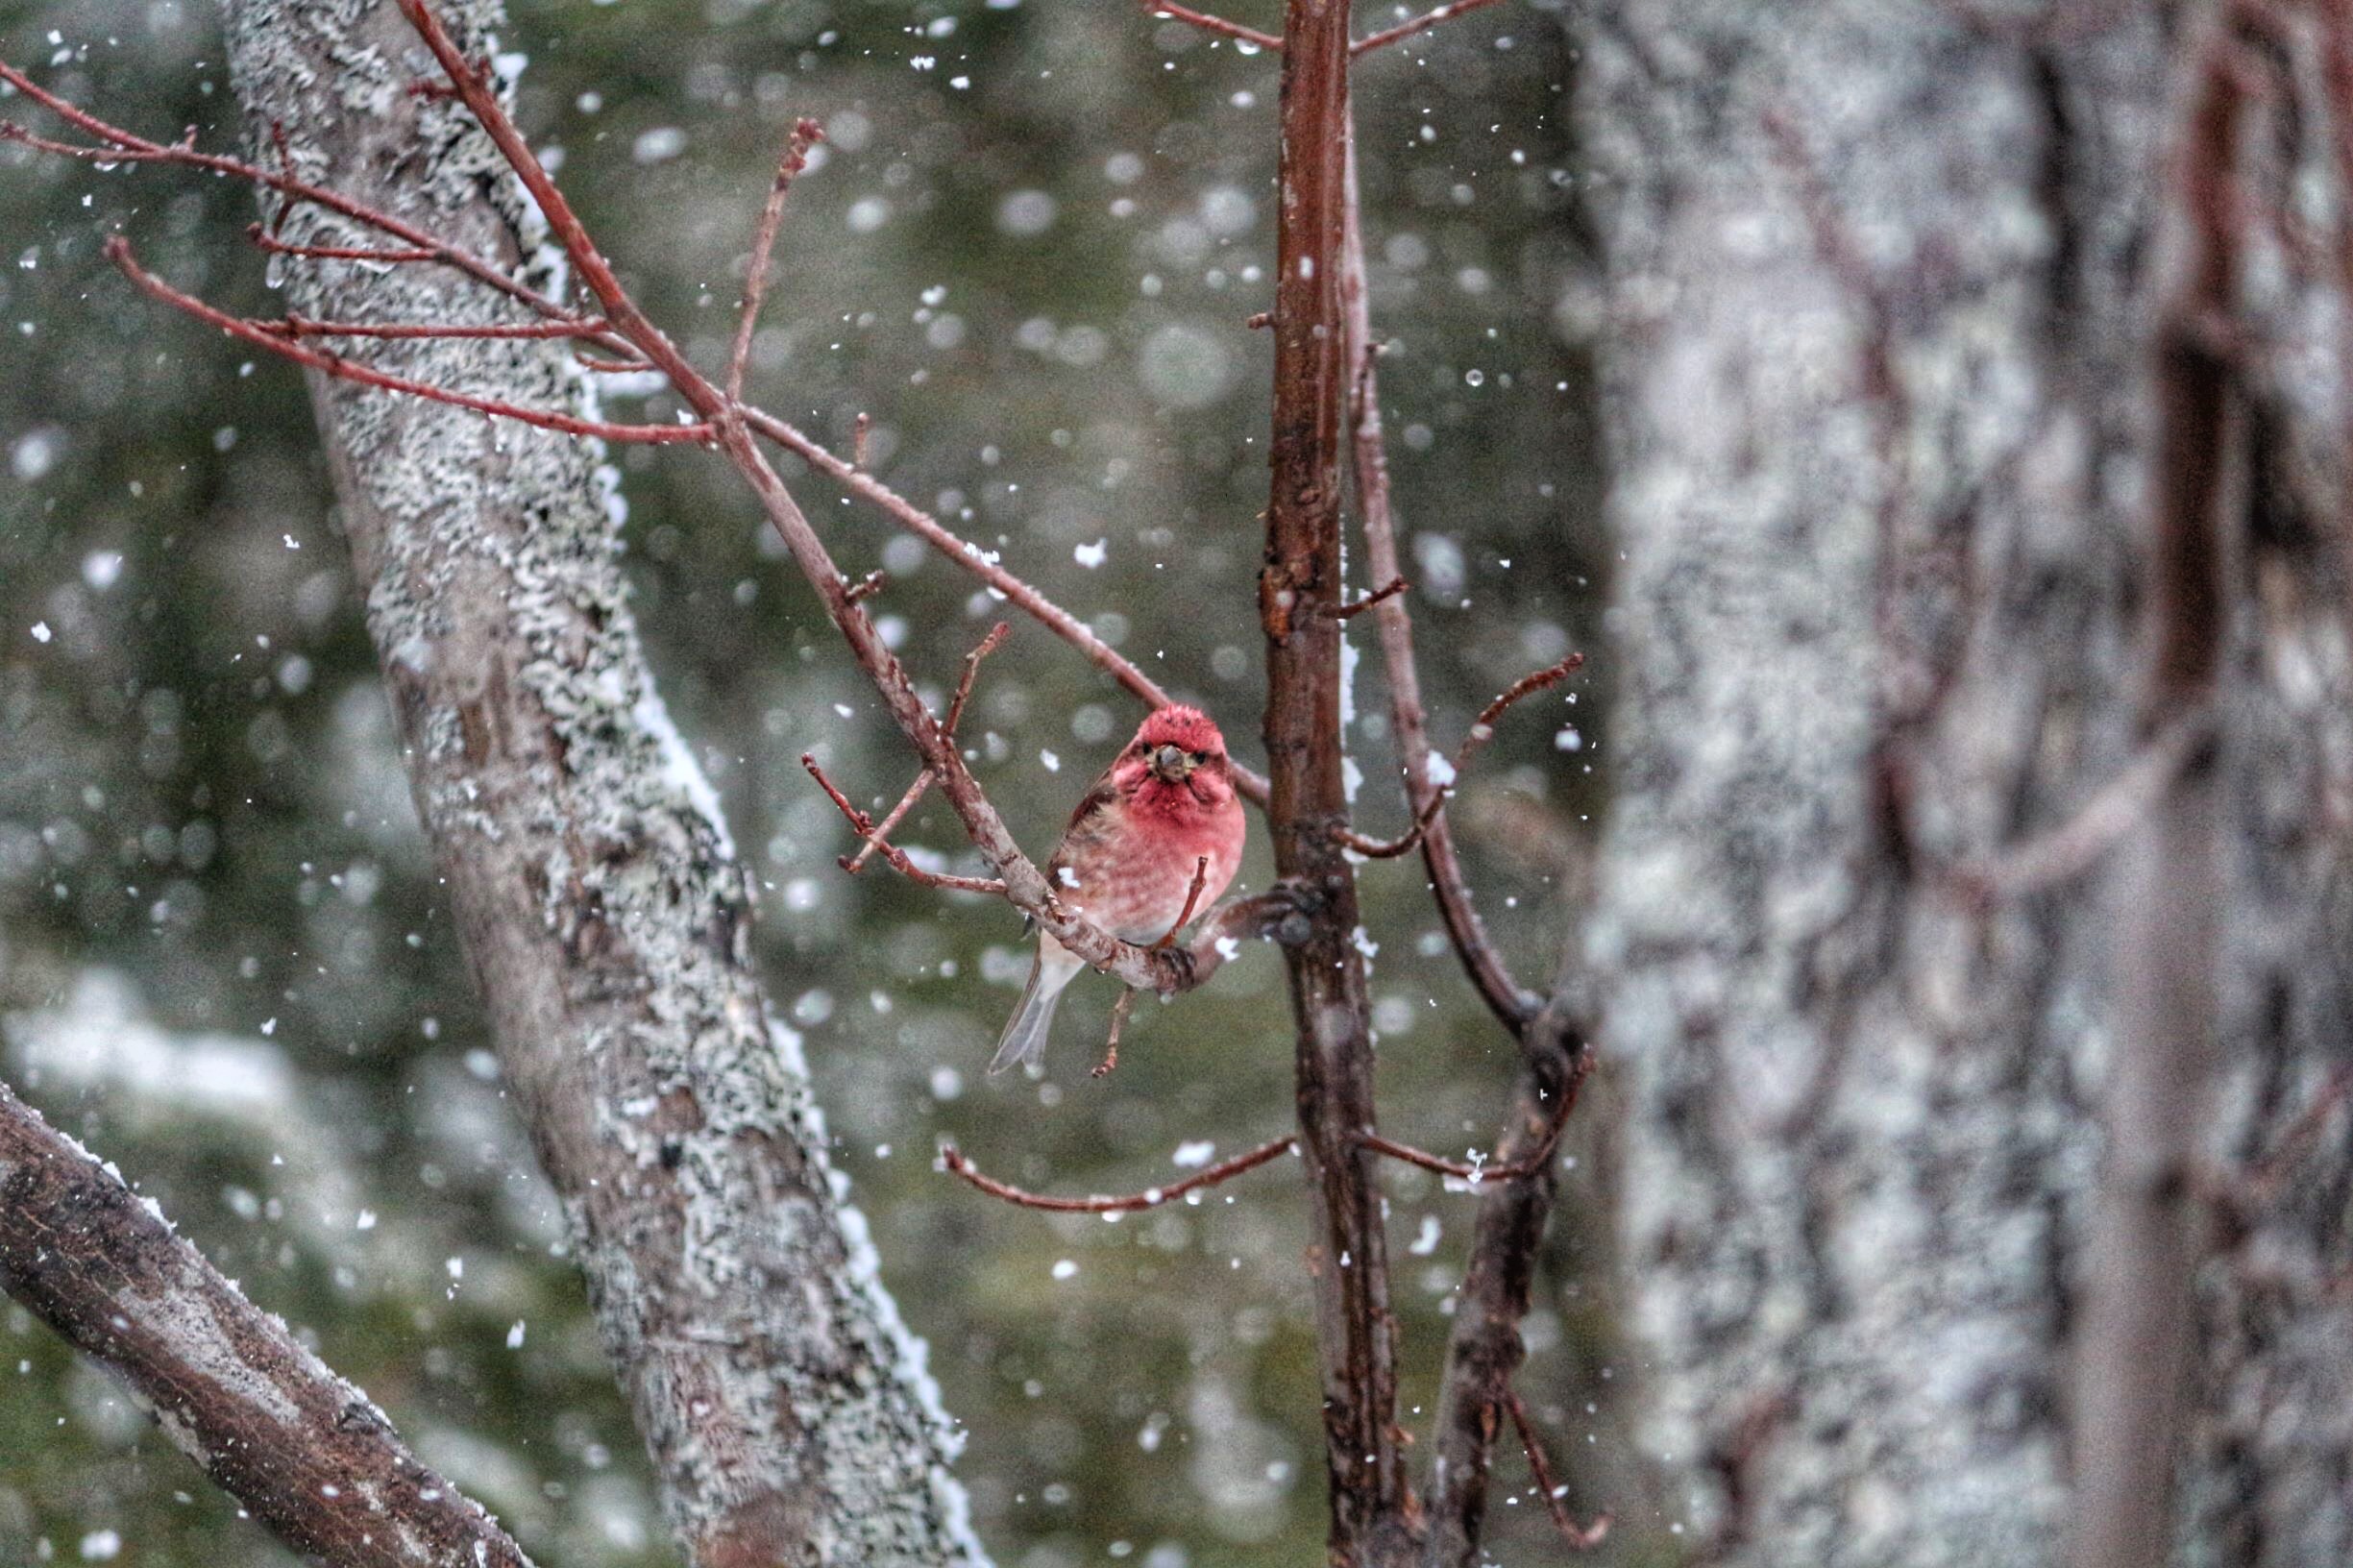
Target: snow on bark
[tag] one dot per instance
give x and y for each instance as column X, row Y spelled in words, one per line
column 784, row 1404
column 306, row 1453
column 1876, row 391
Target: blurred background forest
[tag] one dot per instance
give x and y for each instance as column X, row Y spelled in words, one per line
column 1028, row 250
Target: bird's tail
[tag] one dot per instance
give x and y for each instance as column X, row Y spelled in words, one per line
column 1024, row 1036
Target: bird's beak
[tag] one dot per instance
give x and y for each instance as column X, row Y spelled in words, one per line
column 1172, row 764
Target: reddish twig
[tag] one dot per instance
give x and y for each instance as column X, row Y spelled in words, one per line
column 1477, row 1172
column 861, row 429
column 1214, row 24
column 866, row 587
column 923, row 781
column 891, row 853
column 1420, row 24
column 806, row 134
column 983, row 565
column 258, row 334
column 1581, row 1537
column 298, row 326
column 127, row 147
column 955, row 1164
column 1482, row 730
column 1369, row 470
column 285, row 161
column 1382, row 595
column 273, row 245
column 1111, row 1047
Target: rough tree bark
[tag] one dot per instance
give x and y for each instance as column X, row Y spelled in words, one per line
column 308, row 1454
column 1878, row 397
column 594, row 886
column 1373, row 1523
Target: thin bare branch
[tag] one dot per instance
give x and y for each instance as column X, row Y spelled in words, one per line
column 925, row 780
column 260, row 333
column 122, row 146
column 1368, row 469
column 1478, row 1171
column 806, row 134
column 2134, row 1339
column 271, row 244
column 293, row 325
column 2102, row 821
column 983, row 565
column 308, row 1454
column 1382, row 595
column 891, row 853
column 1214, row 24
column 955, row 1164
column 1481, row 731
column 1420, row 24
column 1581, row 1537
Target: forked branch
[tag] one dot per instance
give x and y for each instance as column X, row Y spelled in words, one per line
column 1481, row 731
column 907, row 802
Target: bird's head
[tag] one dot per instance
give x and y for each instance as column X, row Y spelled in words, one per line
column 1177, row 749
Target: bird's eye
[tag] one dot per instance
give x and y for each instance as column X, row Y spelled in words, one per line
column 1200, row 757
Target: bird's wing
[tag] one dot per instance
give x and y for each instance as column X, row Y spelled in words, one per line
column 1096, row 818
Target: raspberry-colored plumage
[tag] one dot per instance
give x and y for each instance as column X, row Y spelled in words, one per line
column 1126, row 860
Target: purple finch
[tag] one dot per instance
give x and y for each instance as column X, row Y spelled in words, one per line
column 1127, row 860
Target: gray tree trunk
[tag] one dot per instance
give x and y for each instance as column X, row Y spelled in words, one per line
column 601, row 905
column 1876, row 374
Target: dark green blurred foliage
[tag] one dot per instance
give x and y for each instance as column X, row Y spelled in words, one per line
column 1028, row 252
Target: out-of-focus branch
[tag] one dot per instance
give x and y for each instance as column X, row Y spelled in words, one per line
column 2133, row 1359
column 1369, row 470
column 2100, row 823
column 307, row 1453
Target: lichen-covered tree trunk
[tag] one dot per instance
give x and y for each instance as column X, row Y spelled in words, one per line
column 599, row 903
column 1879, row 386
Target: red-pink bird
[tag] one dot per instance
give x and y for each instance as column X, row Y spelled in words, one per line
column 1126, row 862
